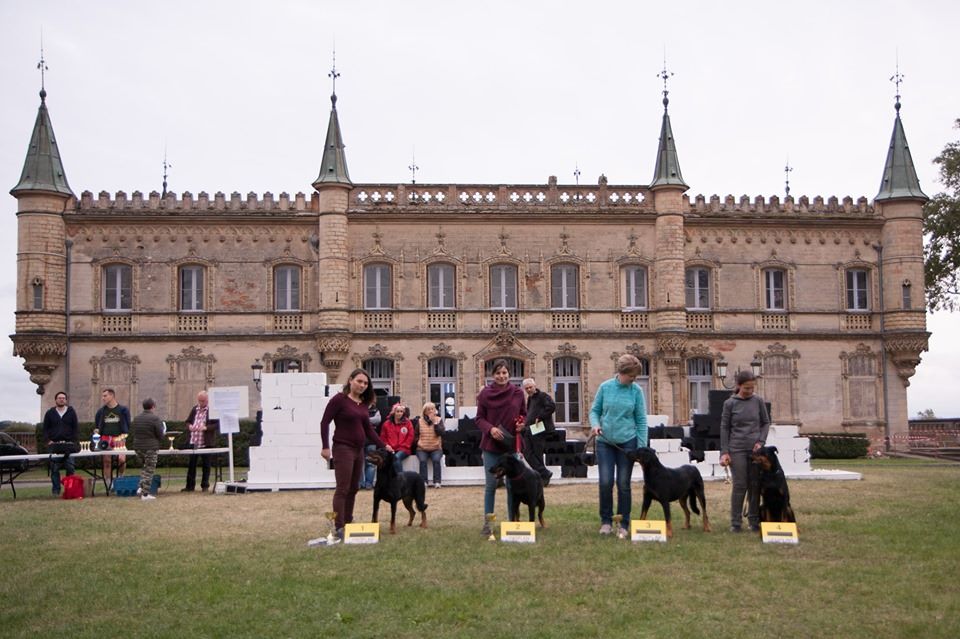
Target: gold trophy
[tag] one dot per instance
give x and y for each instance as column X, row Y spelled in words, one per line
column 616, row 522
column 331, row 538
column 491, row 518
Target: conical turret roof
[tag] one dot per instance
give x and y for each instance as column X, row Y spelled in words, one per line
column 333, row 166
column 899, row 175
column 42, row 168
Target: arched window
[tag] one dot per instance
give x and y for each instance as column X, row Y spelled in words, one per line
column 284, row 365
column 503, row 287
column 441, row 288
column 442, row 384
column 564, row 289
column 377, row 289
column 699, row 379
column 635, row 287
column 191, row 287
column 286, row 287
column 37, row 294
column 514, row 365
column 117, row 287
column 381, row 373
column 697, row 287
column 566, row 390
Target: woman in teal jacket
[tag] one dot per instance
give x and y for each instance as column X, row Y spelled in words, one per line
column 618, row 420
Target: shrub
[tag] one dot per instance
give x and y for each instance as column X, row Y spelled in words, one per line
column 834, row 446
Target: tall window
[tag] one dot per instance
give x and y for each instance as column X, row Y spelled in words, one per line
column 442, row 384
column 514, row 365
column 381, row 373
column 778, row 387
column 862, row 386
column 37, row 294
column 857, row 297
column 563, row 287
column 503, row 287
column 441, row 288
column 773, row 290
column 635, row 281
column 377, row 286
column 643, row 381
column 286, row 288
column 566, row 389
column 191, row 288
column 117, row 287
column 699, row 377
column 697, row 285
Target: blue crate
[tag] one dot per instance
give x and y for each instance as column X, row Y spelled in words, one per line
column 127, row 486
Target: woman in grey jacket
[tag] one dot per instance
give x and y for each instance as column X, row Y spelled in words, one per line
column 744, row 425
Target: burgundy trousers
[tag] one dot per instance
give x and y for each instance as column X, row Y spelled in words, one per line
column 348, row 469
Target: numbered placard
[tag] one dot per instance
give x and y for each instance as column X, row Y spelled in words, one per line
column 518, row 532
column 779, row 533
column 648, row 530
column 361, row 533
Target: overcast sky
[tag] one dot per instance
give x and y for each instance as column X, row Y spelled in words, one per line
column 482, row 92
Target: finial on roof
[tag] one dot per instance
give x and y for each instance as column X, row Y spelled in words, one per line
column 334, row 75
column 787, row 170
column 413, row 168
column 166, row 165
column 42, row 65
column 576, row 173
column 666, row 75
column 897, row 79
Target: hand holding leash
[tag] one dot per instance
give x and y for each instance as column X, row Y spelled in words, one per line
column 725, row 459
column 496, row 433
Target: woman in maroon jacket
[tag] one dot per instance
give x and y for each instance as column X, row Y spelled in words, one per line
column 350, row 414
column 499, row 407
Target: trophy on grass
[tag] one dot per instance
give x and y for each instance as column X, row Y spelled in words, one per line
column 331, row 538
column 617, row 519
column 491, row 518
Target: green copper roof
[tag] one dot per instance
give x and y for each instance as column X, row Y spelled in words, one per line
column 667, row 170
column 899, row 176
column 333, row 167
column 42, row 169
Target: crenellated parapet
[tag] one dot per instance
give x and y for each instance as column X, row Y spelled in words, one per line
column 202, row 203
column 773, row 206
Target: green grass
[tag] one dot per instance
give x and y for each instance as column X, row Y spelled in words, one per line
column 877, row 558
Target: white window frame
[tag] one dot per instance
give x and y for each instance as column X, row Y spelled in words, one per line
column 771, row 289
column 116, row 298
column 503, row 287
column 634, row 299
column 693, row 294
column 377, row 286
column 441, row 286
column 569, row 411
column 854, row 289
column 441, row 385
column 382, row 373
column 286, row 291
column 699, row 383
column 191, row 281
column 564, row 282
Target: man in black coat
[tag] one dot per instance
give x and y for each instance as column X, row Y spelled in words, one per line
column 203, row 434
column 60, row 424
column 540, row 409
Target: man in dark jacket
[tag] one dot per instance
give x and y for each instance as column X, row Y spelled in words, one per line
column 148, row 433
column 60, row 424
column 540, row 409
column 203, row 434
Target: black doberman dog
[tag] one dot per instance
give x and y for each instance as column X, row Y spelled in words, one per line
column 526, row 485
column 774, row 493
column 664, row 485
column 391, row 487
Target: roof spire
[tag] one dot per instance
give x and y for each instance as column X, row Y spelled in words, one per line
column 667, row 170
column 166, row 166
column 42, row 168
column 899, row 175
column 333, row 165
column 413, row 168
column 787, row 170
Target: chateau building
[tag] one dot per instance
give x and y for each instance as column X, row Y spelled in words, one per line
column 424, row 285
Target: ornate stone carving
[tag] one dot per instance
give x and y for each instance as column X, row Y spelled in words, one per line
column 904, row 350
column 33, row 346
column 377, row 351
column 333, row 350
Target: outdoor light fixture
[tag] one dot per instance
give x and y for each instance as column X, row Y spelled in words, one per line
column 721, row 366
column 257, row 369
column 756, row 366
column 293, row 366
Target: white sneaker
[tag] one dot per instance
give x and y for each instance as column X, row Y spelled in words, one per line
column 147, row 497
column 139, row 491
column 606, row 529
column 437, row 485
column 622, row 533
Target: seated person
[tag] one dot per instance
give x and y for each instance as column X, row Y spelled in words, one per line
column 397, row 432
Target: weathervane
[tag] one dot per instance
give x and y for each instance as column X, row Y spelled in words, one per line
column 576, row 173
column 786, row 171
column 413, row 168
column 334, row 75
column 166, row 166
column 666, row 75
column 42, row 65
column 897, row 79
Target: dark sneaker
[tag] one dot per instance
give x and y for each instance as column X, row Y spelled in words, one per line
column 735, row 529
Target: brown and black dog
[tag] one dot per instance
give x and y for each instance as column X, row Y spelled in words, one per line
column 526, row 485
column 391, row 487
column 664, row 485
column 774, row 493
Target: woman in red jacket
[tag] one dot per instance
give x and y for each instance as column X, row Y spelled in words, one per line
column 397, row 432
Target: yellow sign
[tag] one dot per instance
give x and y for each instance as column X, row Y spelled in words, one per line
column 520, row 532
column 779, row 533
column 648, row 530
column 361, row 533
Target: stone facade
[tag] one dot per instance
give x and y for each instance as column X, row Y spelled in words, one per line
column 427, row 284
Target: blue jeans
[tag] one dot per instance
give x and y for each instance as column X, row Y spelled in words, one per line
column 369, row 470
column 398, row 458
column 490, row 485
column 55, row 462
column 433, row 455
column 608, row 459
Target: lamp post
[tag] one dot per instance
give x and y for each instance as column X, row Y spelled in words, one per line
column 756, row 366
column 257, row 369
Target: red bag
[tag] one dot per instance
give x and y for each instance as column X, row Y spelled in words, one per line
column 72, row 487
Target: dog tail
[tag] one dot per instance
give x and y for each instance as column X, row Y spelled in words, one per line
column 695, row 489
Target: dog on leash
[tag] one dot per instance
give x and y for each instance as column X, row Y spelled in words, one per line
column 664, row 485
column 392, row 487
column 774, row 493
column 526, row 485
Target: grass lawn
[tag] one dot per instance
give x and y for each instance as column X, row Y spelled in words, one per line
column 877, row 558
